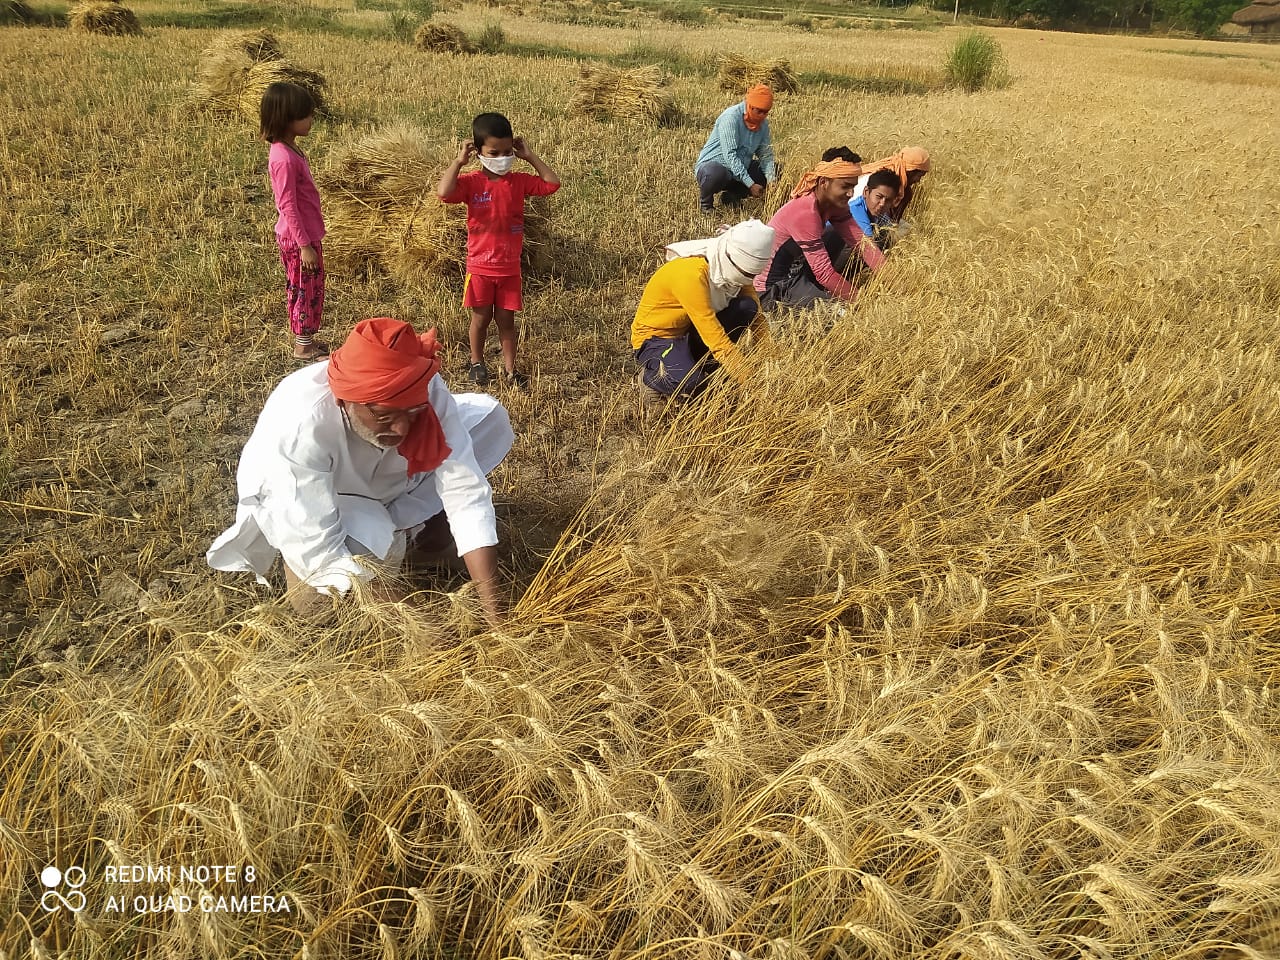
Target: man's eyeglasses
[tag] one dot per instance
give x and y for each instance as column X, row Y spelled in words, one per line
column 387, row 416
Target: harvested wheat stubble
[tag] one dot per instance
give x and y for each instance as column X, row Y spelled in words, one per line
column 104, row 17
column 737, row 74
column 612, row 92
column 443, row 38
column 381, row 209
column 236, row 70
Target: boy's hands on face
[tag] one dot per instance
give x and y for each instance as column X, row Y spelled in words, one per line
column 466, row 152
column 521, row 150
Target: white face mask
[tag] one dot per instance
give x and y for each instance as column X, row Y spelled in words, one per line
column 499, row 165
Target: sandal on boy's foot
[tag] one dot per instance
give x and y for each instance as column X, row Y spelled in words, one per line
column 478, row 374
column 517, row 380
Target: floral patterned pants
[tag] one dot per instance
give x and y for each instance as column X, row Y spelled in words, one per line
column 304, row 291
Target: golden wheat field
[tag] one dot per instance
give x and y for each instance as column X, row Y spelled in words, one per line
column 953, row 635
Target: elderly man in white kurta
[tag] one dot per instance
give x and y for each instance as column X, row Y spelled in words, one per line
column 353, row 456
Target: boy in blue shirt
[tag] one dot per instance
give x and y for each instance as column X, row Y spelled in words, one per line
column 873, row 205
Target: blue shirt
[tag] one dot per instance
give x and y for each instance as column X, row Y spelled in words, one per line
column 733, row 146
column 862, row 216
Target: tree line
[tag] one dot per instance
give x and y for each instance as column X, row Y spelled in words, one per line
column 1202, row 17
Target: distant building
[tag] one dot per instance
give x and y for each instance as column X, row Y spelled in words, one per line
column 1262, row 17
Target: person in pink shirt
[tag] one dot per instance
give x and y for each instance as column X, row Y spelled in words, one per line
column 494, row 196
column 800, row 271
column 287, row 113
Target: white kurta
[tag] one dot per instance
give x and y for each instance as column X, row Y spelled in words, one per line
column 308, row 485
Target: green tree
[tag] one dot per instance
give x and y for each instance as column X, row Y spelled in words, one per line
column 1202, row 16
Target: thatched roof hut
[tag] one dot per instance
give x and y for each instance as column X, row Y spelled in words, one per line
column 1261, row 16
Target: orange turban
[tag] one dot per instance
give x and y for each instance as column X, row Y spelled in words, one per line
column 760, row 97
column 829, row 169
column 383, row 361
column 902, row 163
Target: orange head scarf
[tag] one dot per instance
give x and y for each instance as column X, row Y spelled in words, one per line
column 383, row 361
column 829, row 169
column 901, row 163
column 761, row 98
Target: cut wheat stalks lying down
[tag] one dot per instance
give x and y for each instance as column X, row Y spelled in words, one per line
column 382, row 210
column 618, row 93
column 944, row 639
column 737, row 74
column 236, row 70
column 106, row 17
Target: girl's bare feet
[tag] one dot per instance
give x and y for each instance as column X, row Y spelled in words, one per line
column 315, row 350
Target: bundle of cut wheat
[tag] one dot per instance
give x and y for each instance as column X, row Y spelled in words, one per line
column 382, row 211
column 104, row 17
column 261, row 75
column 257, row 45
column 236, row 70
column 443, row 38
column 609, row 92
column 737, row 73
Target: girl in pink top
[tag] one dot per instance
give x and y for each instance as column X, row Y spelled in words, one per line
column 287, row 113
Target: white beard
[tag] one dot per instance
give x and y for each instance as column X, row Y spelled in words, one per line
column 364, row 433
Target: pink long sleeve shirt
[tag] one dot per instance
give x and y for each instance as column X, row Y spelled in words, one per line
column 297, row 198
column 797, row 231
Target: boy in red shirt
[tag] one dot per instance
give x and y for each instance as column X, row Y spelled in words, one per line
column 495, row 233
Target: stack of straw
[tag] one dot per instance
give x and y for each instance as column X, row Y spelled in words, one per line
column 257, row 45
column 381, row 211
column 611, row 92
column 103, row 16
column 737, row 74
column 236, row 70
column 443, row 38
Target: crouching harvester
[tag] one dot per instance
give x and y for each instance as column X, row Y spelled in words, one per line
column 366, row 455
column 700, row 302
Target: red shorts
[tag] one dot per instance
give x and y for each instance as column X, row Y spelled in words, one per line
column 501, row 292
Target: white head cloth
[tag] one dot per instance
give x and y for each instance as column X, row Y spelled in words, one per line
column 735, row 257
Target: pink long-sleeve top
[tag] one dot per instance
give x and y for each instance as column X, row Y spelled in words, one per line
column 297, row 198
column 797, row 231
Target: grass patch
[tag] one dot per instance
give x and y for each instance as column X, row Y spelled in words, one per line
column 402, row 26
column 217, row 16
column 886, row 81
column 492, row 38
column 688, row 13
column 974, row 62
column 639, row 54
column 15, row 11
column 1210, row 54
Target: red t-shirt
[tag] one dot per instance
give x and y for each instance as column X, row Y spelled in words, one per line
column 495, row 218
